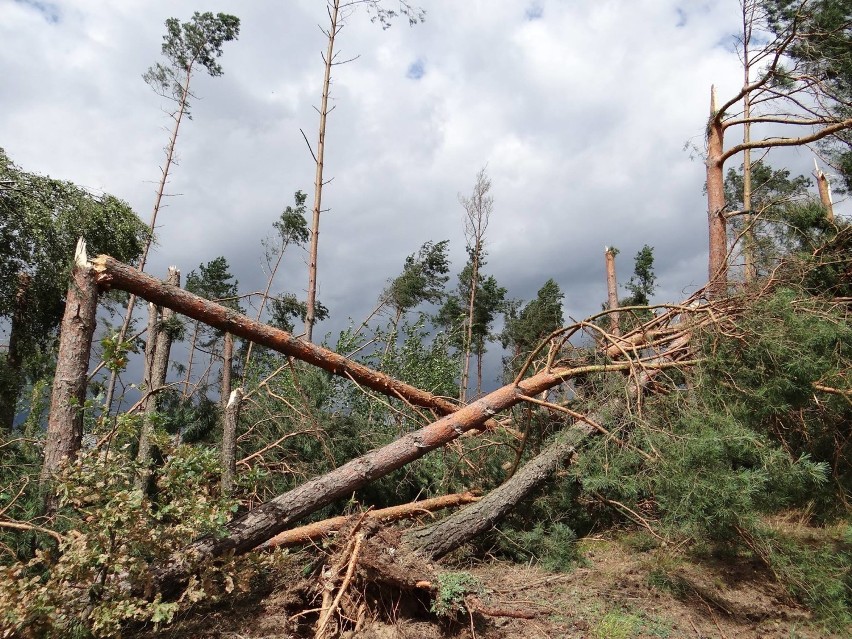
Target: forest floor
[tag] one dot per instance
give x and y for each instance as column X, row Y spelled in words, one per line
column 619, row 590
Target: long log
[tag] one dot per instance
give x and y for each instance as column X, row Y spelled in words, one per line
column 316, row 530
column 111, row 273
column 253, row 528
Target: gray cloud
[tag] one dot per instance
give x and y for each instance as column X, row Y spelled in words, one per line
column 579, row 110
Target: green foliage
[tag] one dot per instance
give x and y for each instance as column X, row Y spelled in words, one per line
column 187, row 46
column 287, row 307
column 41, row 220
column 454, row 314
column 423, row 278
column 453, row 587
column 770, row 378
column 717, row 476
column 93, row 581
column 553, row 546
column 642, row 283
column 293, row 226
column 818, row 574
column 526, row 327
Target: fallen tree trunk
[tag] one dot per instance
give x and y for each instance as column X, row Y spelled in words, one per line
column 114, row 274
column 269, row 519
column 312, row 532
column 436, row 540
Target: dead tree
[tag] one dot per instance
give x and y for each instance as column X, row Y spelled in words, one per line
column 824, row 192
column 612, row 289
column 477, row 209
column 229, row 440
column 328, row 59
column 440, row 538
column 65, row 423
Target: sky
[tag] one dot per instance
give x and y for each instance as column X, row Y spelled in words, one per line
column 588, row 116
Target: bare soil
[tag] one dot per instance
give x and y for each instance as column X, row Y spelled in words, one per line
column 619, row 592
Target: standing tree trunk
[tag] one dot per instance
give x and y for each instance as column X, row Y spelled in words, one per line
column 65, row 423
column 750, row 245
column 612, row 289
column 471, row 305
column 161, row 337
column 229, row 440
column 331, row 34
column 824, row 192
column 718, row 245
column 478, row 208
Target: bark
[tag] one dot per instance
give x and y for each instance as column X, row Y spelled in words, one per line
column 12, row 382
column 269, row 519
column 315, row 531
column 227, row 366
column 612, row 290
column 229, row 440
column 718, row 243
column 158, row 349
column 748, row 236
column 824, row 192
column 310, row 314
column 437, row 539
column 65, row 423
column 112, row 273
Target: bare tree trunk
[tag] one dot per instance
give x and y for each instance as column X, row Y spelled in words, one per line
column 12, row 384
column 478, row 210
column 468, row 342
column 170, row 154
column 612, row 290
column 65, row 423
column 227, row 366
column 824, row 192
column 716, row 223
column 748, row 219
column 229, row 440
column 480, row 348
column 187, row 376
column 112, row 273
column 316, row 530
column 269, row 519
column 310, row 314
column 162, row 344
